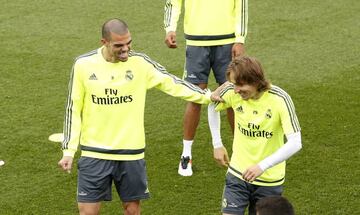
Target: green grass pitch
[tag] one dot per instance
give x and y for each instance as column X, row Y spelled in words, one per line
column 309, row 48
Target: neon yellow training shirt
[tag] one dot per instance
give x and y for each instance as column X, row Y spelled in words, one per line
column 106, row 101
column 260, row 126
column 209, row 22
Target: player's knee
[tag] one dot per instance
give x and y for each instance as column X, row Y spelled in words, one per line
column 88, row 210
column 132, row 208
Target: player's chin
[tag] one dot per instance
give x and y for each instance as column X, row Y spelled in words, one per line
column 245, row 97
column 123, row 57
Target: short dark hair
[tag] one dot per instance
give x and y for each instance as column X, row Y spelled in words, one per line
column 247, row 70
column 274, row 205
column 116, row 26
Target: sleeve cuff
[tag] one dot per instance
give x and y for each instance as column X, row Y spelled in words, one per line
column 168, row 29
column 217, row 145
column 68, row 152
column 240, row 40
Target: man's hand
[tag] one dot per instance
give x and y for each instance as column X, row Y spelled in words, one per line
column 221, row 156
column 66, row 163
column 238, row 50
column 215, row 96
column 252, row 173
column 170, row 39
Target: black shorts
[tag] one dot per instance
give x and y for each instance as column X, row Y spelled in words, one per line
column 239, row 194
column 95, row 178
column 201, row 59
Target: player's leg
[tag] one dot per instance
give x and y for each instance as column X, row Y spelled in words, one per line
column 94, row 184
column 231, row 118
column 197, row 69
column 131, row 208
column 236, row 195
column 191, row 122
column 89, row 208
column 221, row 58
column 131, row 184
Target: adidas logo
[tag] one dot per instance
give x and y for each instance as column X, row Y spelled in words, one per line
column 82, row 194
column 192, row 76
column 93, row 77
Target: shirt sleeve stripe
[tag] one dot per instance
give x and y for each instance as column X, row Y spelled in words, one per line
column 87, row 54
column 243, row 17
column 68, row 114
column 222, row 93
column 69, row 103
column 162, row 69
column 289, row 104
column 168, row 11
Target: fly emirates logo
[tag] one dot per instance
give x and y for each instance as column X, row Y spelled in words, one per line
column 111, row 98
column 253, row 130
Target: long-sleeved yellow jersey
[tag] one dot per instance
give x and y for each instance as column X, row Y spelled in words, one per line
column 209, row 22
column 106, row 102
column 260, row 126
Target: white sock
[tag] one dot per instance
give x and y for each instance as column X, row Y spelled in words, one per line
column 187, row 148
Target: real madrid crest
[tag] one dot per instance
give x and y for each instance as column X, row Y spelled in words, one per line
column 268, row 114
column 129, row 75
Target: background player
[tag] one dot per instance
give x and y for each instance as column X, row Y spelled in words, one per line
column 215, row 33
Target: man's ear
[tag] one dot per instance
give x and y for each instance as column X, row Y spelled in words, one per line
column 104, row 41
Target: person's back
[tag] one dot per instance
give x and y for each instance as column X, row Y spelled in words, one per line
column 274, row 205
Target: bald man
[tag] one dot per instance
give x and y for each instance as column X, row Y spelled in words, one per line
column 105, row 118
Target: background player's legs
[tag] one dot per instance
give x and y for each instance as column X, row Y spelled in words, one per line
column 131, row 208
column 197, row 69
column 220, row 59
column 230, row 117
column 192, row 118
column 190, row 123
column 89, row 208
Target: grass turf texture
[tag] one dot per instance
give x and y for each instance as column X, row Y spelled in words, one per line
column 309, row 48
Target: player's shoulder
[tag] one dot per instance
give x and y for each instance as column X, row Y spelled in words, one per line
column 278, row 91
column 279, row 94
column 227, row 90
column 142, row 58
column 86, row 56
column 138, row 56
column 226, row 93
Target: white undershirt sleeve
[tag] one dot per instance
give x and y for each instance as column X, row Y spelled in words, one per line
column 214, row 124
column 292, row 146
